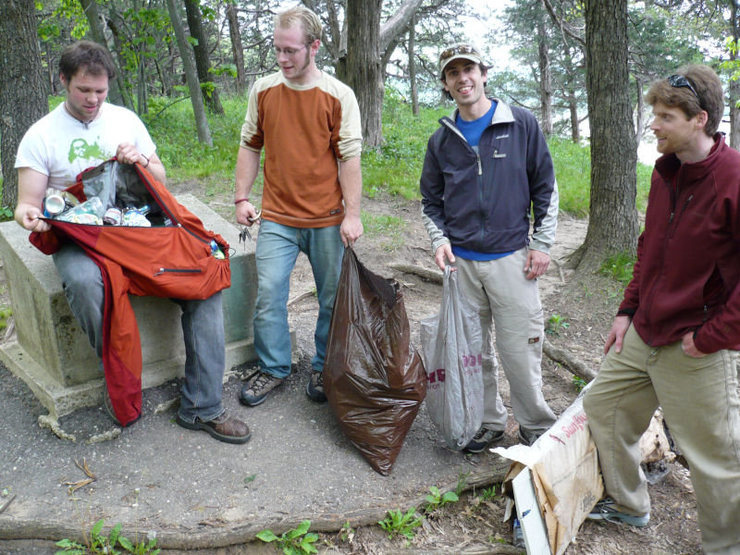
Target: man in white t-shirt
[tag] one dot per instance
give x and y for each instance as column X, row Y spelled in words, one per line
column 82, row 132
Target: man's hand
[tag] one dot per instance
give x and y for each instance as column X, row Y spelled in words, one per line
column 29, row 216
column 616, row 334
column 246, row 213
column 688, row 347
column 126, row 153
column 350, row 230
column 537, row 263
column 443, row 256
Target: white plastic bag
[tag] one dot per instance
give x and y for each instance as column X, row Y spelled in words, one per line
column 452, row 353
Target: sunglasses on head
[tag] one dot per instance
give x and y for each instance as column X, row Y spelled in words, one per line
column 680, row 81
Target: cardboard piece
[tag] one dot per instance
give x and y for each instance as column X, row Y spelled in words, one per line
column 565, row 478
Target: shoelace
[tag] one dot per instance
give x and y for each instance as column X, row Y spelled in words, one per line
column 261, row 381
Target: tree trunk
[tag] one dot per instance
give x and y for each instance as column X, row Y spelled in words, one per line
column 236, row 48
column 362, row 68
column 734, row 84
column 202, row 62
column 613, row 224
column 23, row 93
column 545, row 76
column 95, row 20
column 191, row 76
column 575, row 130
column 412, row 67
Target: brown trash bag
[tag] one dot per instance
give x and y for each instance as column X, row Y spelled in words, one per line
column 374, row 379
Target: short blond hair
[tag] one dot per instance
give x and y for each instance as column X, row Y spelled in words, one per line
column 300, row 15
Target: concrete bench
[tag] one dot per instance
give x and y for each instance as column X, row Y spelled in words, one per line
column 52, row 354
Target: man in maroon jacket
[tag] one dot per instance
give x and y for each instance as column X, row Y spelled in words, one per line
column 674, row 339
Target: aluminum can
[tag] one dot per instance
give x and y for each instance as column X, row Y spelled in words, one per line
column 113, row 216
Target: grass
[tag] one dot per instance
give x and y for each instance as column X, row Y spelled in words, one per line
column 390, row 227
column 618, row 267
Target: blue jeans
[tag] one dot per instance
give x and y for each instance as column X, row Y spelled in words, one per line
column 277, row 250
column 202, row 328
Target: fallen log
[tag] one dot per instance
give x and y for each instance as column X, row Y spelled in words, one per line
column 570, row 363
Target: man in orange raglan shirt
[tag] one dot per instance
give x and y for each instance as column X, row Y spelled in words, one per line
column 308, row 122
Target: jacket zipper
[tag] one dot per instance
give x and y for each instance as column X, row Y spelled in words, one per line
column 178, row 271
column 479, row 163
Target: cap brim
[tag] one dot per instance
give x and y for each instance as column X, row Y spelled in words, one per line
column 471, row 57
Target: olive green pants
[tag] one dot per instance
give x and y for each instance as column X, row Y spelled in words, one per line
column 699, row 397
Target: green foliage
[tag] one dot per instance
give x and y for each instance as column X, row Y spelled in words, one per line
column 396, row 166
column 573, row 171
column 579, row 383
column 6, row 213
column 293, row 542
column 436, row 499
column 398, row 523
column 172, row 127
column 619, row 267
column 100, row 543
column 5, row 314
column 488, row 494
column 555, row 324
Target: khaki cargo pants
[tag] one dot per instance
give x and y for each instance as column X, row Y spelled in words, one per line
column 699, row 397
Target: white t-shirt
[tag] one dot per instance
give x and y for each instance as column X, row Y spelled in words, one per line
column 61, row 146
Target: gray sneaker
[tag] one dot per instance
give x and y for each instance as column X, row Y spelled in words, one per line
column 606, row 509
column 257, row 388
column 483, row 439
column 315, row 387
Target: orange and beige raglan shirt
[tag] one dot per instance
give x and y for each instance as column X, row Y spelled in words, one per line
column 305, row 132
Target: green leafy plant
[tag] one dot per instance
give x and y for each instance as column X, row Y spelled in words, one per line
column 100, row 543
column 488, row 494
column 347, row 533
column 293, row 542
column 579, row 383
column 397, row 523
column 436, row 499
column 6, row 213
column 555, row 324
column 619, row 267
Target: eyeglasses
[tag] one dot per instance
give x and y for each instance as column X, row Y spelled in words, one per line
column 680, row 81
column 287, row 51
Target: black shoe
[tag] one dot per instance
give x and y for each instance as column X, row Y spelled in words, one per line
column 224, row 428
column 257, row 388
column 528, row 437
column 315, row 387
column 483, row 439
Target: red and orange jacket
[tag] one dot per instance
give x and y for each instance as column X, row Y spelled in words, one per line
column 172, row 261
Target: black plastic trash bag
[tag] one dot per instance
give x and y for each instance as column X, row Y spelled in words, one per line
column 452, row 349
column 373, row 377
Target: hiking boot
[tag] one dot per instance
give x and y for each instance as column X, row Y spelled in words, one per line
column 528, row 437
column 258, row 387
column 483, row 439
column 606, row 509
column 224, row 428
column 315, row 387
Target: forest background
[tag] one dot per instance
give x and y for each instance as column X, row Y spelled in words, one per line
column 581, row 66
